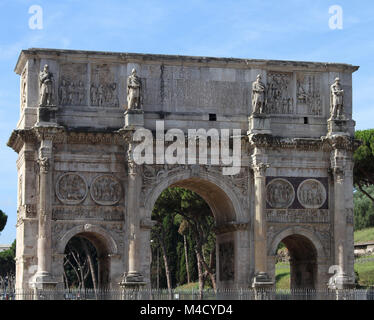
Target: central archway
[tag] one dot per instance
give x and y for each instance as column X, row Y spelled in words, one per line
column 231, row 223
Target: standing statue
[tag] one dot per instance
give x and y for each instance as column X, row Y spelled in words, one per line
column 133, row 91
column 336, row 100
column 258, row 96
column 46, row 86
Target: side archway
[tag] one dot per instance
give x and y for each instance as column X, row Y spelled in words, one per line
column 306, row 253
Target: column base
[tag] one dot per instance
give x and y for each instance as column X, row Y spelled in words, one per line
column 43, row 280
column 341, row 282
column 262, row 281
column 132, row 281
column 134, row 118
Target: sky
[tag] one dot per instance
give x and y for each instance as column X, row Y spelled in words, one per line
column 284, row 30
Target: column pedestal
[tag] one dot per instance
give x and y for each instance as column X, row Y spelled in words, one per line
column 134, row 118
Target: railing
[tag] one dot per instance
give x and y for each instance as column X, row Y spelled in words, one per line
column 164, row 294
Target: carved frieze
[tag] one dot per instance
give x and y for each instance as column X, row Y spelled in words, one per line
column 298, row 215
column 64, row 212
column 311, row 194
column 226, row 261
column 106, row 190
column 308, row 94
column 71, row 188
column 279, row 93
column 72, row 85
column 104, row 87
column 280, row 193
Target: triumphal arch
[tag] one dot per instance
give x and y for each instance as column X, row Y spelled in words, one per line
column 270, row 147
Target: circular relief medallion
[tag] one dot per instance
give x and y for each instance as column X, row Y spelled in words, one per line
column 280, row 193
column 106, row 190
column 71, row 188
column 311, row 194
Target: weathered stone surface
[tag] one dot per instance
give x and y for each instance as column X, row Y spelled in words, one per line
column 75, row 176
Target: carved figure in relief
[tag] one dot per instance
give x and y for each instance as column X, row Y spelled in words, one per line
column 279, row 99
column 80, row 93
column 280, row 193
column 71, row 187
column 336, row 98
column 258, row 96
column 46, row 86
column 311, row 194
column 63, row 93
column 133, row 91
column 106, row 190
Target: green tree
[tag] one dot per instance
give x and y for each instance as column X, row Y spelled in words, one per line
column 363, row 208
column 3, row 220
column 7, row 261
column 363, row 173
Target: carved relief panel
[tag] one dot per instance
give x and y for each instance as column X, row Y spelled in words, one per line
column 23, row 89
column 226, row 261
column 106, row 190
column 279, row 93
column 72, row 89
column 311, row 194
column 308, row 94
column 104, row 87
column 280, row 193
column 71, row 188
column 296, row 193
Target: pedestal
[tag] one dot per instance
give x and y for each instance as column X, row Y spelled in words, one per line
column 44, row 286
column 340, row 126
column 259, row 124
column 131, row 285
column 46, row 116
column 134, row 118
column 263, row 286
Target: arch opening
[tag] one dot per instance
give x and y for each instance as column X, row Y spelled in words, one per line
column 301, row 255
column 86, row 262
column 213, row 261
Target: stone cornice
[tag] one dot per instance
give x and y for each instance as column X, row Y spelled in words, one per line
column 61, row 135
column 342, row 142
column 306, row 144
column 123, row 57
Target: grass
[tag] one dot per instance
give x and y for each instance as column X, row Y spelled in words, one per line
column 364, row 235
column 365, row 272
column 282, row 275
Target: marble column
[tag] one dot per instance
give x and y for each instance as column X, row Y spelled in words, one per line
column 261, row 278
column 43, row 278
column 133, row 277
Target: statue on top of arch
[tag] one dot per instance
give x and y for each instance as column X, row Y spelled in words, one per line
column 134, row 86
column 336, row 101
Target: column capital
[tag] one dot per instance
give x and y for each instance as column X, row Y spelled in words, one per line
column 260, row 168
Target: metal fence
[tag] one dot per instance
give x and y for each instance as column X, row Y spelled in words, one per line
column 157, row 294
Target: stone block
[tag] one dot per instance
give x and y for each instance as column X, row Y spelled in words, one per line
column 134, row 119
column 259, row 124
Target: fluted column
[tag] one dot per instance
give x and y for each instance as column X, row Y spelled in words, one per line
column 43, row 278
column 261, row 277
column 133, row 275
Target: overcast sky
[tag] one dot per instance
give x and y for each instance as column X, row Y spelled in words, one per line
column 287, row 30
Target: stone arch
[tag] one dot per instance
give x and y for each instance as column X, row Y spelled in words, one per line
column 229, row 213
column 296, row 230
column 105, row 246
column 94, row 233
column 218, row 194
column 306, row 253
